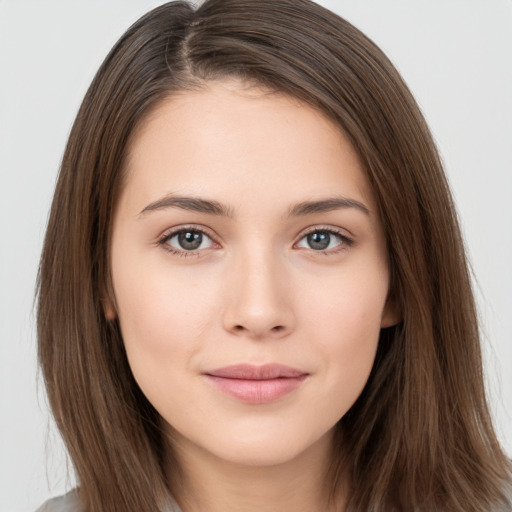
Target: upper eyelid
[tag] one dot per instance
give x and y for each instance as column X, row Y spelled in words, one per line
column 312, row 229
column 207, row 231
column 170, row 232
column 330, row 229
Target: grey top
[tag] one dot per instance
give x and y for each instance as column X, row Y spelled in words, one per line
column 70, row 502
column 67, row 503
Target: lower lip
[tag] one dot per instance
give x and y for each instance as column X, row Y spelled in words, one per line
column 257, row 391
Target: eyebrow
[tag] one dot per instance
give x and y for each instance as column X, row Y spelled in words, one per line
column 326, row 205
column 195, row 204
column 212, row 207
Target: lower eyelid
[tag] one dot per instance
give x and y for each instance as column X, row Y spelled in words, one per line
column 181, row 254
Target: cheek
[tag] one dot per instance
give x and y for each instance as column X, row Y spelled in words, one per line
column 151, row 295
column 346, row 320
column 349, row 305
column 349, row 342
column 164, row 316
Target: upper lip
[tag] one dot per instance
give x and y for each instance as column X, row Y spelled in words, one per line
column 255, row 372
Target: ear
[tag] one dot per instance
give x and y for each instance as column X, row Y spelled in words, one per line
column 109, row 309
column 391, row 314
column 108, row 299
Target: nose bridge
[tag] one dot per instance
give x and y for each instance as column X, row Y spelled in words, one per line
column 259, row 302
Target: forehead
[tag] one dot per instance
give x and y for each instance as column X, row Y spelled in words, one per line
column 236, row 143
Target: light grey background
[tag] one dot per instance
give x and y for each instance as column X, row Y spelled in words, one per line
column 454, row 54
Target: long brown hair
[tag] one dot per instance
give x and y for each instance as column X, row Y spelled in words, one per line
column 419, row 438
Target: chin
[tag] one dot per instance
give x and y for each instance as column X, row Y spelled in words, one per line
column 267, row 447
column 258, row 456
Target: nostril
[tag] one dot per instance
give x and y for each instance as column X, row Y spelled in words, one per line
column 275, row 329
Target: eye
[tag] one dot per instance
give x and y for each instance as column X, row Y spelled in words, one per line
column 186, row 241
column 324, row 240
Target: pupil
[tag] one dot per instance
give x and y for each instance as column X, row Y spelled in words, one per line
column 190, row 240
column 319, row 240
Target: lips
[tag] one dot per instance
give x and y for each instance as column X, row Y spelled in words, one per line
column 256, row 384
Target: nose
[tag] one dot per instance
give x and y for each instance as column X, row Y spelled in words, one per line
column 259, row 298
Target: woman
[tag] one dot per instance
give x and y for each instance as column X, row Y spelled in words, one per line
column 253, row 293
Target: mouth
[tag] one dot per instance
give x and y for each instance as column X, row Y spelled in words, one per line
column 256, row 384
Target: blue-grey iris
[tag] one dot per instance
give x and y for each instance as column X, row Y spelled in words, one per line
column 319, row 240
column 190, row 240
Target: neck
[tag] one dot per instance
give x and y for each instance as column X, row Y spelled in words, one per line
column 210, row 484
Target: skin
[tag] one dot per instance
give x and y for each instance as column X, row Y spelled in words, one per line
column 255, row 291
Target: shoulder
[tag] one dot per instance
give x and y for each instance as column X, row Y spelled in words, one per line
column 67, row 503
column 508, row 493
column 70, row 502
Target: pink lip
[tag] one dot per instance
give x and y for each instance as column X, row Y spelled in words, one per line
column 256, row 384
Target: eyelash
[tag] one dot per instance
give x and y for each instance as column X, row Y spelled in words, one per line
column 182, row 254
column 345, row 241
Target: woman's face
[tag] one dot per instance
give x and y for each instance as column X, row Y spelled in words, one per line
column 249, row 271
